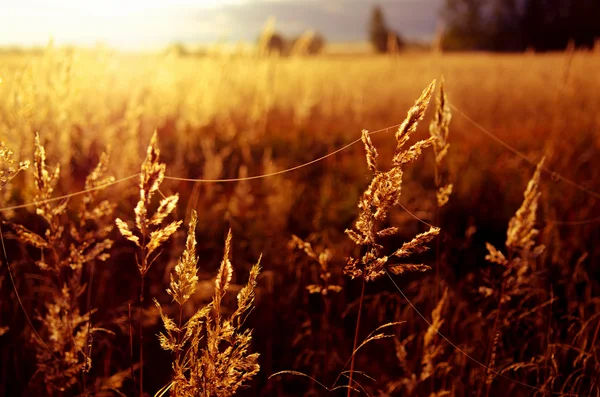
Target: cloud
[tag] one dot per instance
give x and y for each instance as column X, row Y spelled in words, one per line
column 338, row 20
column 154, row 25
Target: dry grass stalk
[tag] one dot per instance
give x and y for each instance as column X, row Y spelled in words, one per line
column 303, row 44
column 432, row 348
column 66, row 335
column 317, row 335
column 8, row 169
column 95, row 220
column 223, row 364
column 267, row 35
column 520, row 240
column 323, row 258
column 521, row 228
column 45, row 183
column 183, row 283
column 152, row 232
column 382, row 194
column 109, row 386
column 520, row 245
column 439, row 131
column 66, row 248
column 87, row 239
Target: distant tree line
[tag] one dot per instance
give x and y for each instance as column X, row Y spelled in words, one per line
column 517, row 25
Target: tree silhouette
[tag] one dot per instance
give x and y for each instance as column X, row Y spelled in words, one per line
column 380, row 36
column 514, row 25
column 464, row 25
column 377, row 30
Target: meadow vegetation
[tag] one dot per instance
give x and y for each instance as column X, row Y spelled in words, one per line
column 431, row 257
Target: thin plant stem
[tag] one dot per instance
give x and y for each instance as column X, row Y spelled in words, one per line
column 131, row 343
column 141, row 339
column 360, row 305
column 495, row 329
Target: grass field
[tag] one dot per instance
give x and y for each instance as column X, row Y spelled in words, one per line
column 527, row 324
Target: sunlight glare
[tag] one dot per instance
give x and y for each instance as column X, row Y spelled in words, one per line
column 116, row 8
column 125, row 24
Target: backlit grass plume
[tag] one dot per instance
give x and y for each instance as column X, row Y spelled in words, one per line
column 521, row 228
column 432, row 346
column 517, row 277
column 521, row 233
column 152, row 232
column 324, row 285
column 63, row 356
column 8, row 169
column 384, row 193
column 82, row 242
column 183, row 284
column 439, row 131
column 63, row 341
column 211, row 353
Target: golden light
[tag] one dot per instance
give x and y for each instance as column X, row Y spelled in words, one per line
column 131, row 23
column 115, row 8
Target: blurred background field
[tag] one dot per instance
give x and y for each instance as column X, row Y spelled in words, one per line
column 230, row 111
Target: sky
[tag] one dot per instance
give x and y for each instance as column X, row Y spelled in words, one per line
column 131, row 24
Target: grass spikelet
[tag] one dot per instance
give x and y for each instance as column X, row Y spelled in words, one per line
column 443, row 194
column 439, row 129
column 67, row 245
column 384, row 193
column 431, row 350
column 521, row 228
column 152, row 234
column 245, row 298
column 418, row 244
column 45, row 182
column 495, row 256
column 29, row 237
column 371, row 150
column 520, row 242
column 8, row 169
column 322, row 259
column 381, row 195
column 414, row 117
column 224, row 274
column 408, row 267
column 151, row 230
column 517, row 277
column 158, row 237
column 66, row 336
column 223, row 365
column 167, row 205
column 126, row 232
column 183, row 284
